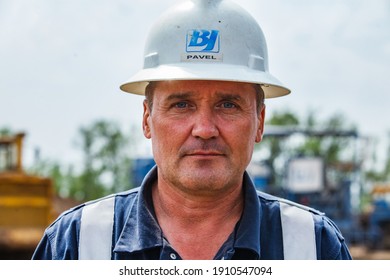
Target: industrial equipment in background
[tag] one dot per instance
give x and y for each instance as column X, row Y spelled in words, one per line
column 378, row 222
column 25, row 202
column 335, row 188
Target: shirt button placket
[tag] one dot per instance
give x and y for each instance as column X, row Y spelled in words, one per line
column 173, row 256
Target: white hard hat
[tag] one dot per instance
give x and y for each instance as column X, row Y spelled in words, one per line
column 206, row 40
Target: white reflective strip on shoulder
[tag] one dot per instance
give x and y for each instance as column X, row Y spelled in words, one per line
column 298, row 233
column 97, row 220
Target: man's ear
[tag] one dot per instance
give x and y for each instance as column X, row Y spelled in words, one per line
column 260, row 129
column 146, row 121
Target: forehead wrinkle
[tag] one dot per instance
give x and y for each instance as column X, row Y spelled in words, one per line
column 188, row 94
column 218, row 94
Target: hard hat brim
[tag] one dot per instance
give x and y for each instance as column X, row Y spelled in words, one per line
column 272, row 87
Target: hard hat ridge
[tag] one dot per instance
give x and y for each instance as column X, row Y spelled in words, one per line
column 206, row 3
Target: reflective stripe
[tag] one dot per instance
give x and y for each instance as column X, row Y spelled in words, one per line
column 298, row 233
column 97, row 220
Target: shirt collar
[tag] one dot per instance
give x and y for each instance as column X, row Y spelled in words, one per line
column 141, row 230
column 248, row 228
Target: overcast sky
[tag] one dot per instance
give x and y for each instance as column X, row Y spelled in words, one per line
column 62, row 62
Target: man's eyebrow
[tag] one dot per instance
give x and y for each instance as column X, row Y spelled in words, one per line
column 229, row 96
column 178, row 95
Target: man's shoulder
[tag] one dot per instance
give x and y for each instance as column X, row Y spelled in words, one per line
column 72, row 216
column 269, row 199
column 61, row 238
column 327, row 232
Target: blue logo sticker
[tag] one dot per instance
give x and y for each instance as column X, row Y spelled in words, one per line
column 200, row 40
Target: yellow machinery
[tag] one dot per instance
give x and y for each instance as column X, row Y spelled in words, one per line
column 25, row 202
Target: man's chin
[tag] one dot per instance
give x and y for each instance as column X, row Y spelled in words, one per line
column 205, row 180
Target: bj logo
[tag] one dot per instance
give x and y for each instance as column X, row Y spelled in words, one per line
column 200, row 40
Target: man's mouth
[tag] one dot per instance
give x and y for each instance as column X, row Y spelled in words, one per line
column 204, row 153
column 204, row 150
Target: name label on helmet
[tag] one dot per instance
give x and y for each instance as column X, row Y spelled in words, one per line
column 201, row 41
column 201, row 57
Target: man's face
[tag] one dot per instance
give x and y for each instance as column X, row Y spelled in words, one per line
column 203, row 133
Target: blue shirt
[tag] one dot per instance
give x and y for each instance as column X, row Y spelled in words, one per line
column 138, row 236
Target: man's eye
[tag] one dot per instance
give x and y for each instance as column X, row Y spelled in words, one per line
column 228, row 105
column 181, row 105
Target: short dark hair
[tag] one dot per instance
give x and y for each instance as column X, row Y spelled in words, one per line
column 149, row 91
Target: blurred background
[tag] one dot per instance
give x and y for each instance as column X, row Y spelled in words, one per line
column 68, row 134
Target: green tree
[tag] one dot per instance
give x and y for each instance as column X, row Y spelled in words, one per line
column 5, row 131
column 65, row 180
column 334, row 137
column 106, row 166
column 386, row 170
column 382, row 173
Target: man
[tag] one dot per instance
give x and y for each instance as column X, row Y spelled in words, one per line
column 205, row 78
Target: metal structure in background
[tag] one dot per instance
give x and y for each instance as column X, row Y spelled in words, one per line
column 25, row 202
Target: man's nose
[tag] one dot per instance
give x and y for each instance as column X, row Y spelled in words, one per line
column 205, row 126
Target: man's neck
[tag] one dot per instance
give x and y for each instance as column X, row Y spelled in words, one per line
column 197, row 226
